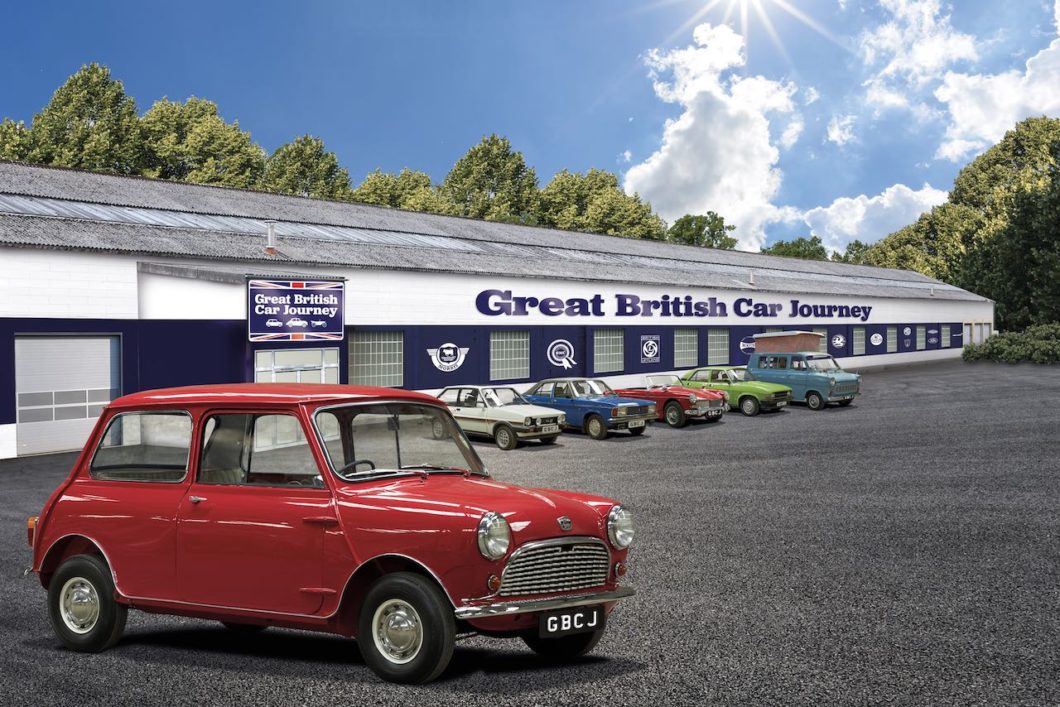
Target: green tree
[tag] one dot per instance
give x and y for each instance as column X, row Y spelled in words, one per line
column 855, row 253
column 707, row 230
column 90, row 123
column 595, row 202
column 808, row 248
column 14, row 140
column 400, row 190
column 304, row 168
column 190, row 142
column 617, row 214
column 492, row 182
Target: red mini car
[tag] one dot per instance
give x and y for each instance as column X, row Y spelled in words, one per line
column 321, row 507
column 675, row 404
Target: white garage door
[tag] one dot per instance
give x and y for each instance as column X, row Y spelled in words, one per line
column 61, row 386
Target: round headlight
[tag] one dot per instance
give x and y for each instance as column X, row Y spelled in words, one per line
column 528, row 421
column 692, row 398
column 494, row 536
column 620, row 527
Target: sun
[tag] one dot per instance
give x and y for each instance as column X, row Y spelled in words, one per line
column 743, row 9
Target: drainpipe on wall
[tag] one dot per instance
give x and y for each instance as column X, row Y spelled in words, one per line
column 270, row 238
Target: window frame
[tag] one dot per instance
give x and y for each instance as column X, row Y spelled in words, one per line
column 106, row 431
column 687, row 332
column 502, row 343
column 728, row 343
column 351, row 342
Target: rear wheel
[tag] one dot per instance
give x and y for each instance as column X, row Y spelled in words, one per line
column 749, row 405
column 81, row 605
column 406, row 629
column 505, row 437
column 674, row 414
column 595, row 427
column 565, row 647
column 814, row 400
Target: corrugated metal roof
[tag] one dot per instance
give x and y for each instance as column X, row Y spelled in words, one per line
column 58, row 208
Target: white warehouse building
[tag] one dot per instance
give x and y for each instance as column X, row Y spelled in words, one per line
column 110, row 285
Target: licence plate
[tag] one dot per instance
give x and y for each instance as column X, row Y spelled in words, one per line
column 549, row 429
column 580, row 619
column 781, row 404
column 636, row 423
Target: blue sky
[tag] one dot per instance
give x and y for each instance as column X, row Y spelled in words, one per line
column 853, row 120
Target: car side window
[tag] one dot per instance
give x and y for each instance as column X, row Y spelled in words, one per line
column 782, row 362
column 245, row 449
column 764, row 362
column 144, row 446
column 798, row 364
column 449, row 396
column 542, row 389
column 469, row 398
column 562, row 390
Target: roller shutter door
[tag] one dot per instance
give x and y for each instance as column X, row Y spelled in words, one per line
column 61, row 386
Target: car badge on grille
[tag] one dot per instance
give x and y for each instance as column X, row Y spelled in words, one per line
column 564, row 523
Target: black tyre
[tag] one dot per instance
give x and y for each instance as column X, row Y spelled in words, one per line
column 595, row 427
column 814, row 400
column 563, row 648
column 749, row 405
column 505, row 437
column 406, row 629
column 674, row 415
column 637, row 431
column 244, row 629
column 845, row 403
column 81, row 605
column 438, row 430
column 551, row 439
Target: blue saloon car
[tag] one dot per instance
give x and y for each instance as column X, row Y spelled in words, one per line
column 813, row 377
column 592, row 406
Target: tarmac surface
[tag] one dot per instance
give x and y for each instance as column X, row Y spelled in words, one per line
column 902, row 550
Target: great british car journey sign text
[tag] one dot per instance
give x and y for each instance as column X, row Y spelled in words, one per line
column 295, row 310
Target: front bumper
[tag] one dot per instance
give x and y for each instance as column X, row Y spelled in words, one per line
column 706, row 412
column 533, row 606
column 622, row 423
column 835, row 397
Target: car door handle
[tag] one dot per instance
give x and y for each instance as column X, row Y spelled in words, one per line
column 196, row 499
column 321, row 520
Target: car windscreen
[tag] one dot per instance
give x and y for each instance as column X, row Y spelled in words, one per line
column 739, row 374
column 591, row 387
column 662, row 381
column 823, row 363
column 393, row 438
column 498, row 397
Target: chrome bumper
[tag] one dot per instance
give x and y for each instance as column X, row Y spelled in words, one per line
column 535, row 605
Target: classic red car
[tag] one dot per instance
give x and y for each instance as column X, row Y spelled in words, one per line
column 321, row 507
column 675, row 404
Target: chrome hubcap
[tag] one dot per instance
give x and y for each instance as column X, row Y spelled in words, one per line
column 502, row 437
column 671, row 415
column 79, row 605
column 398, row 632
column 748, row 406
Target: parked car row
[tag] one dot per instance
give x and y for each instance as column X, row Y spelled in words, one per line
column 769, row 382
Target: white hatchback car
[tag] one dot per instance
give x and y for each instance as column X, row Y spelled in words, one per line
column 501, row 413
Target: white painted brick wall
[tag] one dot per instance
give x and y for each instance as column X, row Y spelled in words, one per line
column 58, row 284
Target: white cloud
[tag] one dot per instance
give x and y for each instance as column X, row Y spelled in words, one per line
column 868, row 219
column 841, row 129
column 625, row 157
column 910, row 51
column 717, row 154
column 791, row 133
column 812, row 95
column 982, row 107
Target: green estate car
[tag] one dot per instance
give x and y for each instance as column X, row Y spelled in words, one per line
column 745, row 393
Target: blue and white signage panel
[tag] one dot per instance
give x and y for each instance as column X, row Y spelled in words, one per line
column 295, row 310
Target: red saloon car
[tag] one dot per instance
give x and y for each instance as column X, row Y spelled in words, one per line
column 675, row 404
column 325, row 508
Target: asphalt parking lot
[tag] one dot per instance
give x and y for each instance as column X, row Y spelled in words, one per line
column 902, row 550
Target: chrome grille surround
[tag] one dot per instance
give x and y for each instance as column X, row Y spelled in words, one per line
column 556, row 565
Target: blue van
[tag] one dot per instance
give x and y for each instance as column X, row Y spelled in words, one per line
column 813, row 377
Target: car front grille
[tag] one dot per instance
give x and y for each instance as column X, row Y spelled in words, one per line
column 845, row 389
column 547, row 420
column 559, row 565
column 637, row 410
column 781, row 396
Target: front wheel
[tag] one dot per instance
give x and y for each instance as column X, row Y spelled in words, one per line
column 565, row 647
column 595, row 427
column 505, row 437
column 674, row 414
column 749, row 406
column 81, row 605
column 406, row 629
column 814, row 401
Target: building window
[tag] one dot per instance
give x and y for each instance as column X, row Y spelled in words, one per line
column 921, row 338
column 892, row 339
column 945, row 336
column 717, row 347
column 822, row 345
column 978, row 333
column 296, row 366
column 608, row 350
column 859, row 341
column 987, row 331
column 509, row 355
column 967, row 334
column 377, row 358
column 686, row 348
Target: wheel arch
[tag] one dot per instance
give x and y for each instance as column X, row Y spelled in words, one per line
column 66, row 547
column 366, row 574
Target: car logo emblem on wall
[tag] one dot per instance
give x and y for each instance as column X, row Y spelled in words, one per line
column 649, row 348
column 448, row 357
column 565, row 523
column 561, row 353
column 747, row 344
column 876, row 339
column 839, row 341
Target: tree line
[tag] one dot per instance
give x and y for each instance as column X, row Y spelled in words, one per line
column 91, row 123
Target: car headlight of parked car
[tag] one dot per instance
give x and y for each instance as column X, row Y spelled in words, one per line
column 692, row 398
column 620, row 527
column 528, row 421
column 494, row 536
column 562, row 419
column 619, row 412
column 651, row 409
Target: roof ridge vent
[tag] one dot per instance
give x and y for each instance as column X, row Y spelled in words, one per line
column 270, row 237
column 751, row 278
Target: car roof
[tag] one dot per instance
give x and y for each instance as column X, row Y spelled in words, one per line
column 267, row 393
column 480, row 386
column 567, row 380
